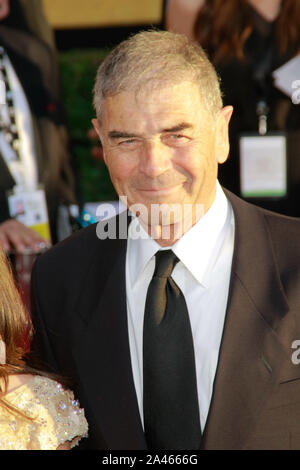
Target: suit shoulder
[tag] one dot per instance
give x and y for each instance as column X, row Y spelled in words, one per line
column 72, row 251
column 285, row 237
column 283, row 231
column 81, row 248
column 283, row 227
column 278, row 223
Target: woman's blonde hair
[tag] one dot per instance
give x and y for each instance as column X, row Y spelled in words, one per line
column 16, row 331
column 15, row 323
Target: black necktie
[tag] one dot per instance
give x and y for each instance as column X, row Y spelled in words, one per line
column 171, row 411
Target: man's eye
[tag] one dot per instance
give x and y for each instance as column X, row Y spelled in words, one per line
column 128, row 142
column 176, row 138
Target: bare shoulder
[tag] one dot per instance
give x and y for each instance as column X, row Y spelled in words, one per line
column 177, row 10
column 186, row 5
column 17, row 380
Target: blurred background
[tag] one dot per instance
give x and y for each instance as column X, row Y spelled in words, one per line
column 84, row 32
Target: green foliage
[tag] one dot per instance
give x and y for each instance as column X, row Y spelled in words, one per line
column 78, row 70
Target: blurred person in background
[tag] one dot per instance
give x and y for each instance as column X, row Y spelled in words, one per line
column 37, row 22
column 36, row 411
column 34, row 147
column 247, row 40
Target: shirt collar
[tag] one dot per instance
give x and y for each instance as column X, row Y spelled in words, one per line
column 197, row 249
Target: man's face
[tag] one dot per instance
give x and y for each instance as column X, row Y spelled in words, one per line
column 162, row 147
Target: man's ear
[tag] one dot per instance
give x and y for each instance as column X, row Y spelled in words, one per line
column 222, row 134
column 97, row 128
column 96, row 125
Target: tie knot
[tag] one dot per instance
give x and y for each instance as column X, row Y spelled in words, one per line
column 165, row 263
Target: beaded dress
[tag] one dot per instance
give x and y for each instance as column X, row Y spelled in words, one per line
column 52, row 417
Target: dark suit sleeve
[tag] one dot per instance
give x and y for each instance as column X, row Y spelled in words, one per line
column 56, row 284
column 41, row 353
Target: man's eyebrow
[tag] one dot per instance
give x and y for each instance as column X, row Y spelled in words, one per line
column 179, row 127
column 121, row 135
column 128, row 135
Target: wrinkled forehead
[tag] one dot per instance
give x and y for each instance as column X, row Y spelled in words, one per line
column 150, row 110
column 157, row 92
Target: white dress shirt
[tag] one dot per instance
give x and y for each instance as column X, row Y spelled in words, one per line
column 203, row 275
column 23, row 170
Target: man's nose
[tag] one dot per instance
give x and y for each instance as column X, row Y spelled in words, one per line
column 155, row 159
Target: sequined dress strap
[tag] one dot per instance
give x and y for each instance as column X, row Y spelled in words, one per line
column 49, row 416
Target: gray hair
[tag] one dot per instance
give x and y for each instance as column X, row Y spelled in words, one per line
column 159, row 57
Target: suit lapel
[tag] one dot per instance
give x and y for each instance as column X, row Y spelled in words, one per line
column 254, row 346
column 104, row 359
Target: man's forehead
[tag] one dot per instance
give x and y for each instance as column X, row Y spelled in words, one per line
column 159, row 95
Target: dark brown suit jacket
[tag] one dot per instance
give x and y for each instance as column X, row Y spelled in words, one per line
column 81, row 321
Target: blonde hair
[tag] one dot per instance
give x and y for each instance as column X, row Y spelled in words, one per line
column 16, row 330
column 15, row 323
column 15, row 327
column 160, row 58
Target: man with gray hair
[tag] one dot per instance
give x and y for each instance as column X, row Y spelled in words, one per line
column 178, row 333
